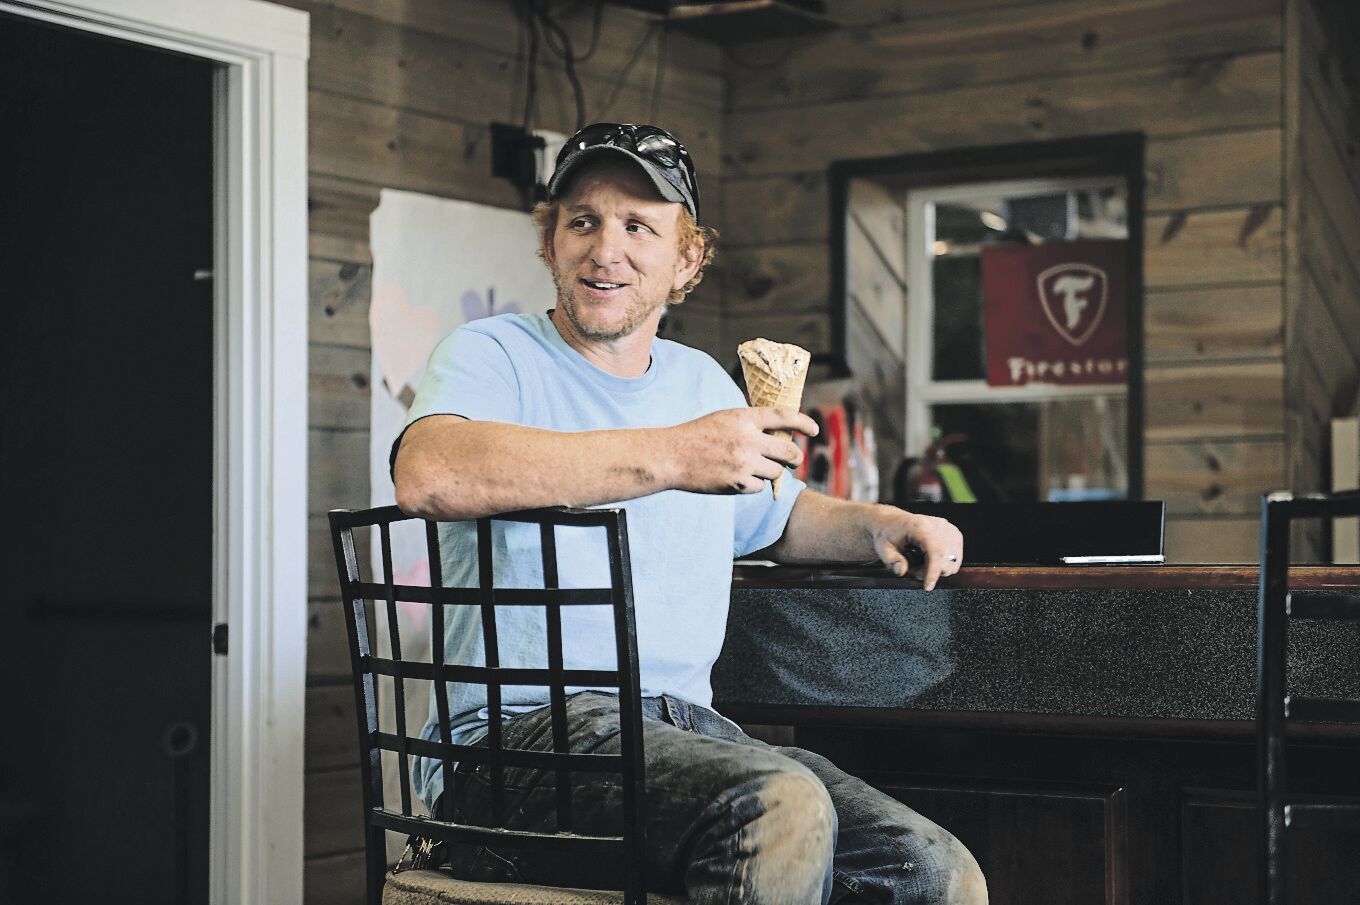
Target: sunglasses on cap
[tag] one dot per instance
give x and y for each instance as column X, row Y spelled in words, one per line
column 660, row 154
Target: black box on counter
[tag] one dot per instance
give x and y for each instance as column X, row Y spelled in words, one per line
column 1105, row 532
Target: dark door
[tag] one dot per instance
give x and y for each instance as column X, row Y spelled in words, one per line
column 106, row 467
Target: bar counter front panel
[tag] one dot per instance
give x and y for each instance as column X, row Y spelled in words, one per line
column 1086, row 731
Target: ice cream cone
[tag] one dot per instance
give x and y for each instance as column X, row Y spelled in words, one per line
column 775, row 374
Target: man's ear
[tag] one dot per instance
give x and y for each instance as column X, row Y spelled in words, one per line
column 691, row 259
column 547, row 249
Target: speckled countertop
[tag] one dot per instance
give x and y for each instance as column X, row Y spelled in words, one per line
column 1157, row 650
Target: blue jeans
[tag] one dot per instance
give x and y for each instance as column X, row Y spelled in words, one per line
column 729, row 818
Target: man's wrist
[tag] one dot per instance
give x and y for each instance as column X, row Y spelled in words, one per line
column 880, row 518
column 667, row 460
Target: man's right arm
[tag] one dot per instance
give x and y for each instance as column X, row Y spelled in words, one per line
column 448, row 468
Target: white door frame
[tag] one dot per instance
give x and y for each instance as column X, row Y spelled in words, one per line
column 260, row 422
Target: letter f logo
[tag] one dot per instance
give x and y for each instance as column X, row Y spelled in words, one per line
column 1073, row 298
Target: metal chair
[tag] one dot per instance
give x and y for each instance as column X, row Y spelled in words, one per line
column 422, row 886
column 1274, row 704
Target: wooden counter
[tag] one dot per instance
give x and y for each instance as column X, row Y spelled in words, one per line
column 1228, row 577
column 1086, row 731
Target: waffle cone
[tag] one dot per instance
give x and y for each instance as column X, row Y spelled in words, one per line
column 764, row 390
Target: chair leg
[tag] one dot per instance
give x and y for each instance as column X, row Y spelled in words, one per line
column 375, row 854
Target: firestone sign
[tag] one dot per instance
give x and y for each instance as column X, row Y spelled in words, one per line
column 1056, row 312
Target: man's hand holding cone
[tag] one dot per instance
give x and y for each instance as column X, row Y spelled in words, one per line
column 775, row 374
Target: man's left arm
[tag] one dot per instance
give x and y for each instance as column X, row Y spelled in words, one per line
column 825, row 529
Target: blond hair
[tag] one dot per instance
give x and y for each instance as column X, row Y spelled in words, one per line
column 691, row 234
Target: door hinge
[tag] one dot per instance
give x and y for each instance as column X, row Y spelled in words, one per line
column 220, row 639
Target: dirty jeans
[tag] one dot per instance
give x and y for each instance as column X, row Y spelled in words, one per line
column 729, row 819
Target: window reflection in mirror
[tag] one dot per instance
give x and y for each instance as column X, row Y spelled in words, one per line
column 1043, row 439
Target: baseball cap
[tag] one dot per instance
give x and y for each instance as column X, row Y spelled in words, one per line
column 657, row 152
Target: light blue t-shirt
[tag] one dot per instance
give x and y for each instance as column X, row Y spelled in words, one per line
column 516, row 368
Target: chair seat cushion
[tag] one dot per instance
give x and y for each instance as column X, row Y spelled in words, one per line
column 437, row 887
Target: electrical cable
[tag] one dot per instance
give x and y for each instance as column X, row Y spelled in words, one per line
column 660, row 74
column 552, row 29
column 531, row 76
column 594, row 32
column 622, row 77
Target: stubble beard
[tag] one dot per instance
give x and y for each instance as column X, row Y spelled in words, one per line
column 636, row 314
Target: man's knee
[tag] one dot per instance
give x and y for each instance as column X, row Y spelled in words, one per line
column 944, row 871
column 794, row 840
column 797, row 807
column 770, row 839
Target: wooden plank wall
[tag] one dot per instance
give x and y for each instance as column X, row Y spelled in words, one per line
column 402, row 93
column 1322, row 280
column 1202, row 78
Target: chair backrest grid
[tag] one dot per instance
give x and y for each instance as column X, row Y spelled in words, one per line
column 630, row 703
column 486, row 572
column 365, row 692
column 366, row 706
column 628, row 764
column 398, row 678
column 557, row 693
column 441, row 691
column 1272, row 661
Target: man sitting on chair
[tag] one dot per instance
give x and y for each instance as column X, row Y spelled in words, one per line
column 585, row 406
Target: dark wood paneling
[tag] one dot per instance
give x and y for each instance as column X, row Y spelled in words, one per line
column 1328, row 266
column 338, row 212
column 765, row 210
column 1331, row 207
column 337, row 470
column 332, row 738
column 1222, row 93
column 339, row 295
column 1213, row 540
column 337, row 388
column 1072, row 836
column 1213, row 247
column 366, row 142
column 1323, row 374
column 1328, row 72
column 496, row 25
column 1173, row 842
column 1228, row 400
column 1015, row 42
column 1213, row 476
column 1235, row 168
column 1215, row 324
column 1219, row 837
column 334, row 880
column 1214, row 169
column 776, row 279
column 361, row 56
column 327, row 645
column 335, row 808
column 866, row 13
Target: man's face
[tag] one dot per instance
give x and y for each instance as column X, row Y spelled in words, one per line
column 615, row 252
